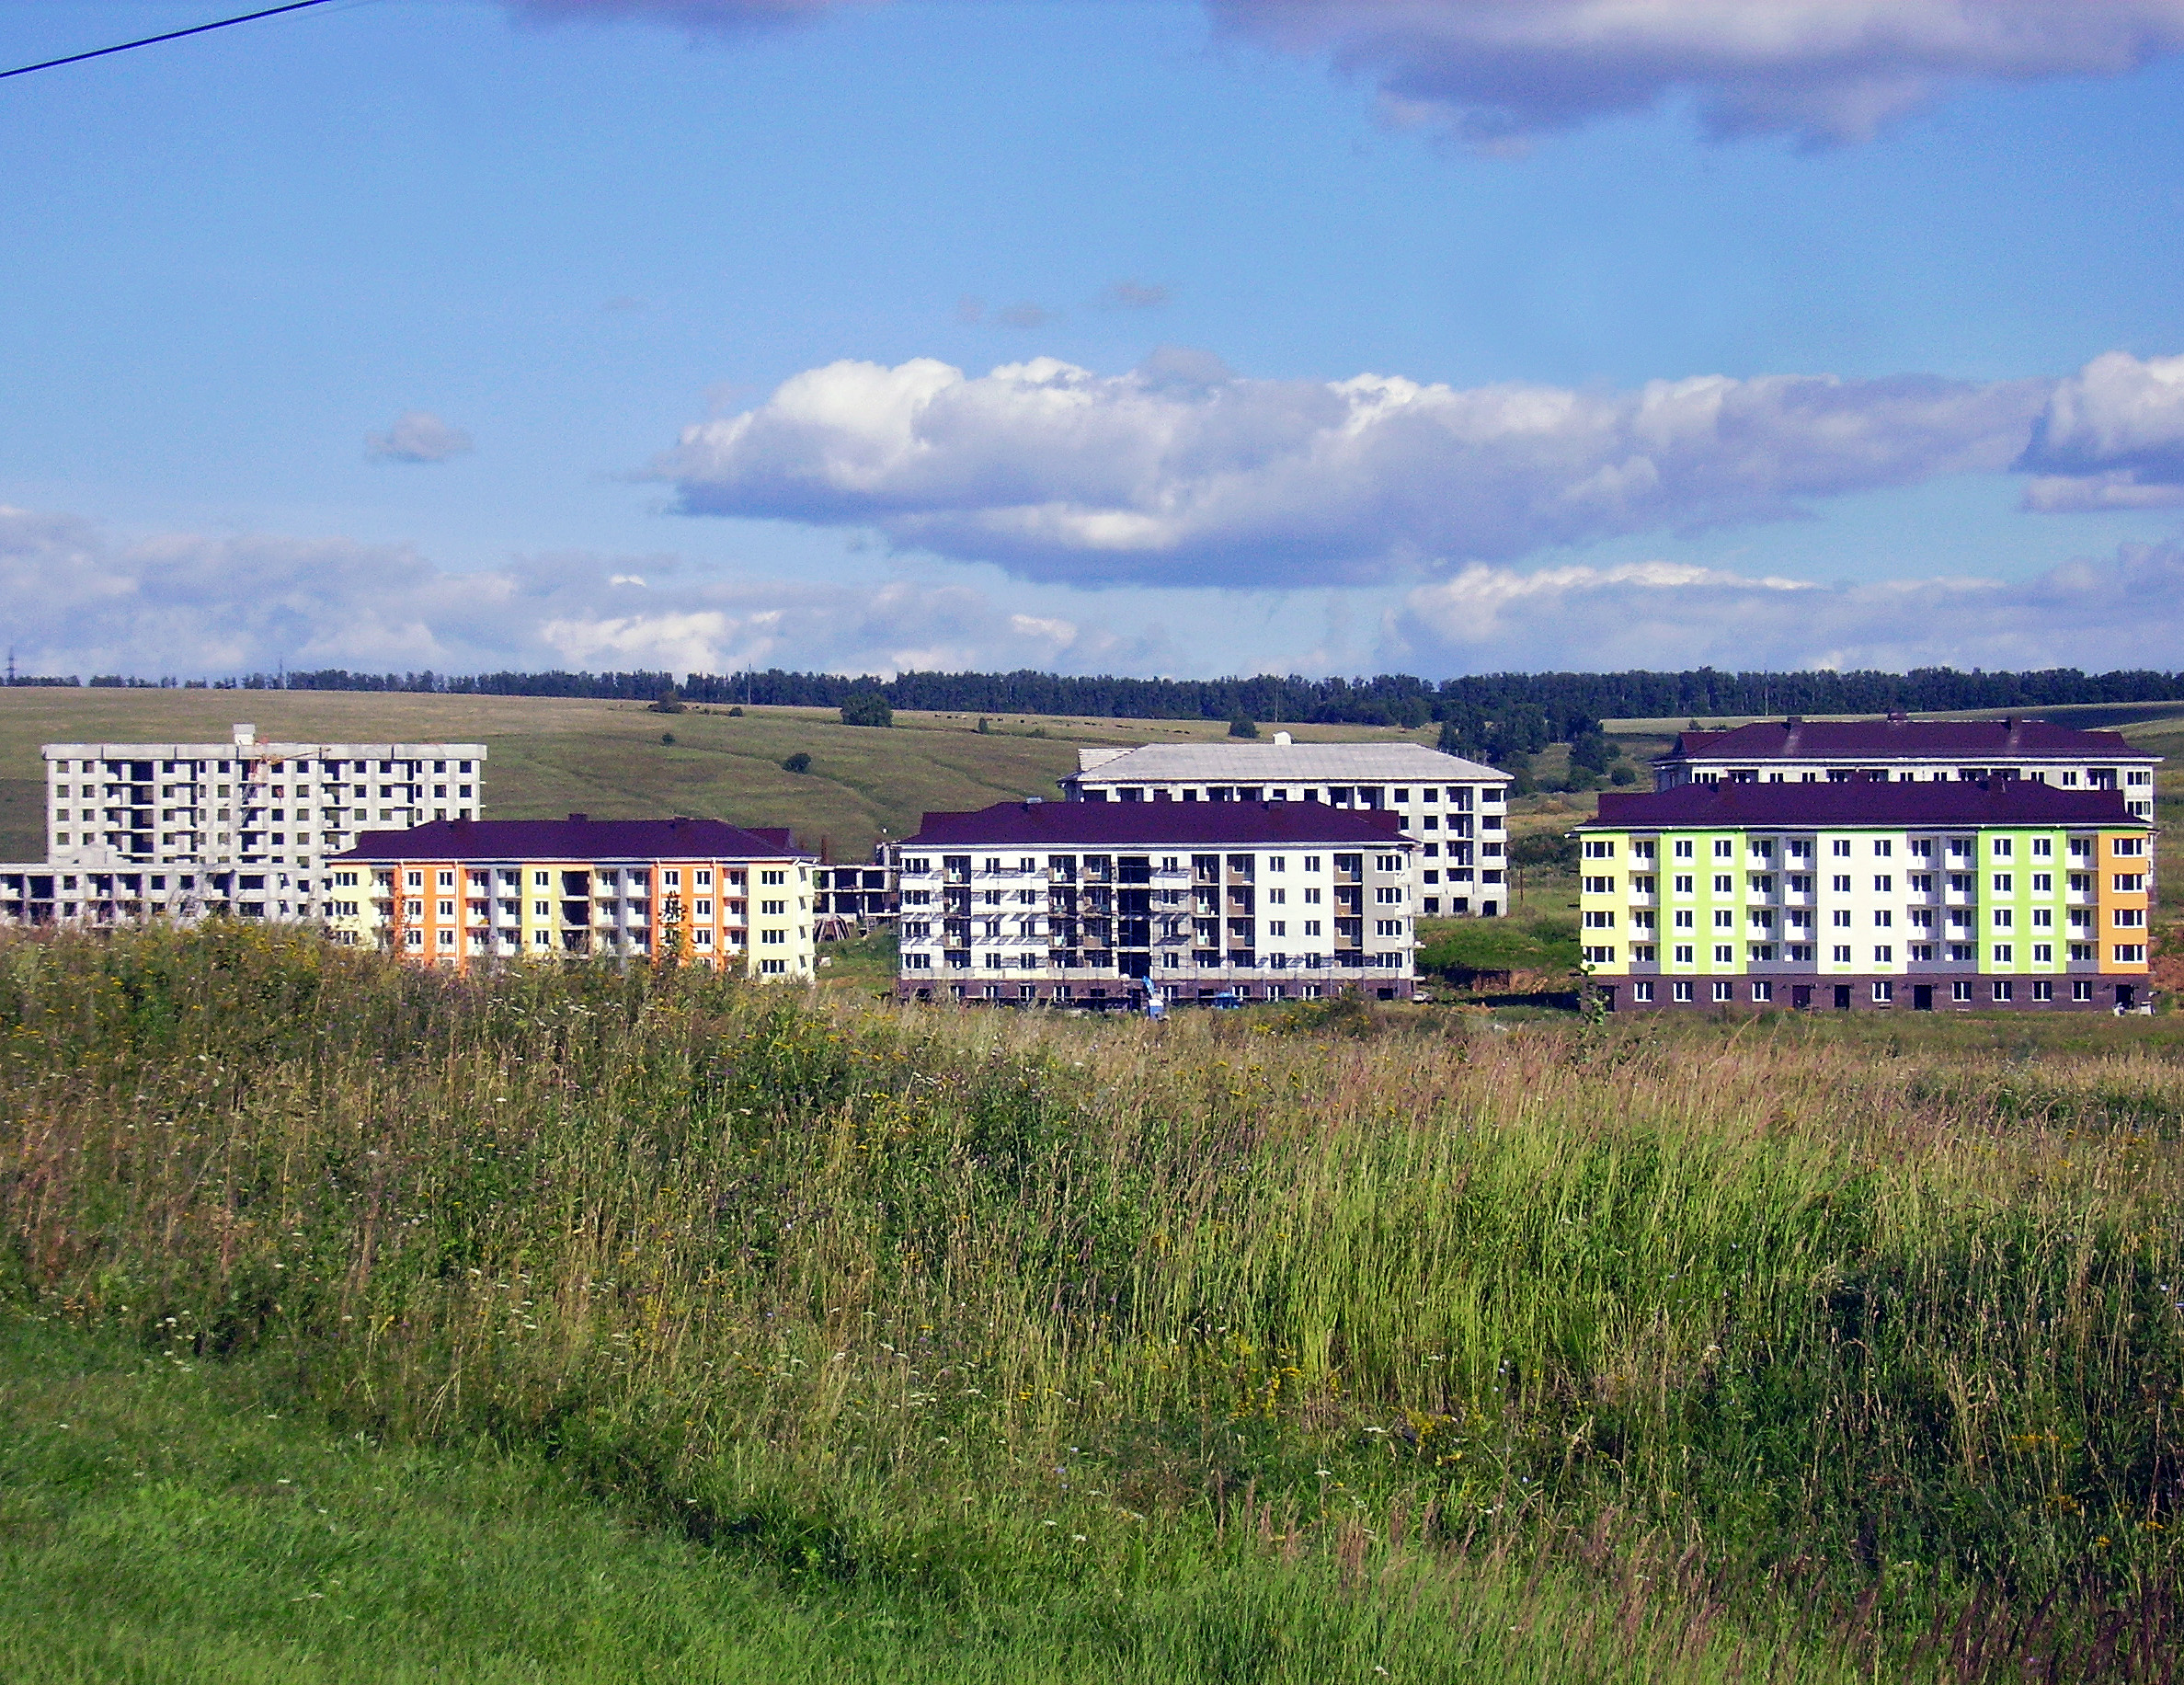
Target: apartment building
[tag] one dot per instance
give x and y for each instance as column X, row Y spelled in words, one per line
column 853, row 899
column 175, row 829
column 1094, row 903
column 1796, row 750
column 458, row 893
column 1867, row 893
column 1453, row 808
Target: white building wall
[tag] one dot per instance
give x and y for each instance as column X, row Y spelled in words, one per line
column 264, row 814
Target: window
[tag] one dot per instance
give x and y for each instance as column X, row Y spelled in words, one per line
column 1840, row 883
column 1884, row 955
column 1684, row 919
column 1961, row 990
column 1883, row 994
column 1840, row 848
column 1643, row 992
column 2043, row 953
column 1883, row 919
column 1683, row 849
column 1724, row 954
column 2082, row 990
column 1725, row 991
column 1725, row 884
column 1599, row 850
column 2043, row 883
column 2043, row 848
column 2002, row 917
column 1723, row 848
column 2005, row 990
column 1680, row 992
column 2004, row 953
column 2131, row 845
column 1840, row 918
column 772, row 938
column 773, row 968
column 2129, row 882
column 1683, row 885
column 1683, row 956
column 1600, row 920
column 2129, row 953
column 1839, row 954
column 2129, row 918
column 1600, row 955
column 1599, row 886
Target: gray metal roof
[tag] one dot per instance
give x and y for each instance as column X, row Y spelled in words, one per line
column 1286, row 763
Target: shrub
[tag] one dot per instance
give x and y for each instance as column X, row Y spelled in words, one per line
column 670, row 701
column 797, row 762
column 866, row 708
column 1244, row 726
column 668, row 737
column 1545, row 848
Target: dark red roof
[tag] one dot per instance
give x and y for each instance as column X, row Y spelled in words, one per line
column 571, row 839
column 1156, row 824
column 1863, row 801
column 1974, row 740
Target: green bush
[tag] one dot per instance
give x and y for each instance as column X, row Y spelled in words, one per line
column 797, row 762
column 866, row 708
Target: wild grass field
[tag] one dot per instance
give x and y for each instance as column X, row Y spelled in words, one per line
column 366, row 1325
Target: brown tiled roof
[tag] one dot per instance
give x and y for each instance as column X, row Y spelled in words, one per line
column 1859, row 739
column 575, row 838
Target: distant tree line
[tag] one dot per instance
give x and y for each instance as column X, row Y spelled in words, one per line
column 1491, row 715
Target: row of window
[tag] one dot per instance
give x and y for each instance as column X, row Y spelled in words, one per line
column 1841, row 883
column 1841, row 848
column 921, row 930
column 1340, row 795
column 329, row 768
column 1236, row 959
column 1884, row 953
column 1880, row 918
column 1099, row 866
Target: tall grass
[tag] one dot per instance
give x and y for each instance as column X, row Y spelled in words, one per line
column 950, row 1306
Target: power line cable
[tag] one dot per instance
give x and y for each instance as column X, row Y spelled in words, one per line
column 152, row 41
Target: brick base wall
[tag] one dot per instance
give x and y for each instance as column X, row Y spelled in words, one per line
column 1912, row 993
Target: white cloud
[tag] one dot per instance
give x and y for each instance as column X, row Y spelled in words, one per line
column 1825, row 70
column 1055, row 472
column 2121, row 612
column 192, row 605
column 417, row 436
column 1498, row 70
column 2110, row 437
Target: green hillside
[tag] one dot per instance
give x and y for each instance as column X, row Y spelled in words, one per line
column 551, row 756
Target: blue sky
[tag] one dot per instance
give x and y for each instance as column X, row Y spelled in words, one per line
column 1439, row 334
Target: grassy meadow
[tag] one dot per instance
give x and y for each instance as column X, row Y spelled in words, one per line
column 365, row 1324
